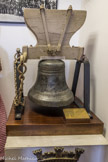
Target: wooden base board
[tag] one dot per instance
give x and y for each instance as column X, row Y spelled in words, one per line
column 40, row 122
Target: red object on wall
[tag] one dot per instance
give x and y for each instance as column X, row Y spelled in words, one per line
column 3, row 120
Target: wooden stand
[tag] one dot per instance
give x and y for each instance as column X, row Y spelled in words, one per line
column 40, row 122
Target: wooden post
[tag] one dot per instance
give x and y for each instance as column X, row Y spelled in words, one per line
column 42, row 10
column 69, row 13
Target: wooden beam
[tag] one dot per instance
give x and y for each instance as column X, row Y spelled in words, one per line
column 74, row 53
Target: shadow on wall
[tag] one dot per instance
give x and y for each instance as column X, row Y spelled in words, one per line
column 6, row 80
column 69, row 71
column 90, row 53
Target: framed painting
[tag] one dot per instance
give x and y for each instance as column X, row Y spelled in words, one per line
column 11, row 11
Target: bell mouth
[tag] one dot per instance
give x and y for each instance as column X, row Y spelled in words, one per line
column 46, row 99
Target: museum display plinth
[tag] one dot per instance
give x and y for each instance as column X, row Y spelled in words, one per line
column 34, row 123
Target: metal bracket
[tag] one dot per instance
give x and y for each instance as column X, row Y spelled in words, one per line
column 86, row 63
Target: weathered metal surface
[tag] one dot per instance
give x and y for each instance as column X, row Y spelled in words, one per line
column 50, row 89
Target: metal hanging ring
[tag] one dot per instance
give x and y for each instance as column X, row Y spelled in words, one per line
column 25, row 69
column 21, row 77
column 16, row 58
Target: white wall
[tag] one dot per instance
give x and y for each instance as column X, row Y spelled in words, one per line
column 94, row 37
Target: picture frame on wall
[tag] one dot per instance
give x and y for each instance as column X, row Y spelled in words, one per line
column 11, row 11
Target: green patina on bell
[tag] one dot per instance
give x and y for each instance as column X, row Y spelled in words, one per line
column 50, row 88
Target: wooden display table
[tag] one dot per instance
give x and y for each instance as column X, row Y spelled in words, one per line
column 34, row 123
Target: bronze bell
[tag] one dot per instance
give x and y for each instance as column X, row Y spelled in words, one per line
column 50, row 88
